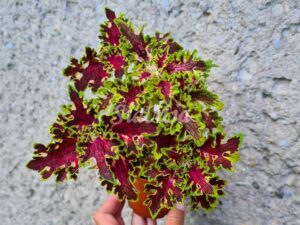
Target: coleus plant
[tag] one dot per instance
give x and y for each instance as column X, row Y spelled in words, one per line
column 141, row 109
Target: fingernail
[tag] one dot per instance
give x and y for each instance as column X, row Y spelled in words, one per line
column 180, row 207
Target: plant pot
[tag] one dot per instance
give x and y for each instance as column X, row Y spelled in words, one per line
column 138, row 207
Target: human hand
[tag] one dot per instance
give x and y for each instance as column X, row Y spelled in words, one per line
column 110, row 213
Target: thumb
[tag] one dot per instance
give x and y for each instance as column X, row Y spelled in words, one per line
column 176, row 216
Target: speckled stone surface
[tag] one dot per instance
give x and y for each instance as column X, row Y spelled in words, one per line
column 257, row 47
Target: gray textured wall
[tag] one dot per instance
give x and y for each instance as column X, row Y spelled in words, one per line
column 256, row 46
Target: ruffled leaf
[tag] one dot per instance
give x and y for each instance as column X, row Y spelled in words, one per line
column 198, row 178
column 189, row 124
column 80, row 116
column 220, row 154
column 121, row 168
column 109, row 31
column 168, row 42
column 88, row 72
column 165, row 195
column 118, row 63
column 144, row 76
column 100, row 149
column 165, row 87
column 168, row 144
column 161, row 60
column 105, row 102
column 131, row 95
column 185, row 66
column 131, row 129
column 58, row 157
column 164, row 141
column 204, row 96
column 169, row 46
column 208, row 202
column 208, row 120
column 136, row 40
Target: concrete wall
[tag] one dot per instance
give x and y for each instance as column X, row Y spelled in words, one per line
column 256, row 45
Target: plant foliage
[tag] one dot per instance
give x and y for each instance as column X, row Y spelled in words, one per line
column 150, row 115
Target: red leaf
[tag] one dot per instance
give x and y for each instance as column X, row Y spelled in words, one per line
column 208, row 120
column 165, row 195
column 182, row 83
column 59, row 157
column 218, row 155
column 173, row 46
column 144, row 76
column 99, row 149
column 131, row 129
column 198, row 178
column 118, row 63
column 80, row 116
column 187, row 65
column 109, row 31
column 92, row 75
column 164, row 141
column 208, row 201
column 204, row 200
column 165, row 87
column 218, row 184
column 168, row 141
column 192, row 127
column 184, row 118
column 136, row 40
column 105, row 102
column 130, row 96
column 121, row 169
column 203, row 96
column 177, row 156
column 161, row 60
column 167, row 42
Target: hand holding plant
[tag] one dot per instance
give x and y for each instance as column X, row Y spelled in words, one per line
column 110, row 213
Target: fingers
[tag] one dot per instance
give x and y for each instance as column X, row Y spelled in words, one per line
column 120, row 220
column 111, row 206
column 109, row 212
column 138, row 220
column 151, row 221
column 104, row 219
column 175, row 216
